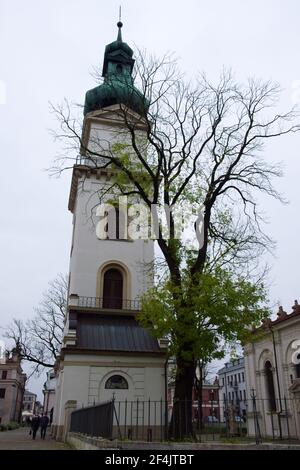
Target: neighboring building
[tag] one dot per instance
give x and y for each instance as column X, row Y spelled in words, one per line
column 29, row 404
column 105, row 351
column 210, row 402
column 49, row 394
column 232, row 390
column 272, row 366
column 12, row 384
column 39, row 408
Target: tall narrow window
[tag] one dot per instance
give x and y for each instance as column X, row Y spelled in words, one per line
column 113, row 289
column 298, row 370
column 115, row 227
column 270, row 386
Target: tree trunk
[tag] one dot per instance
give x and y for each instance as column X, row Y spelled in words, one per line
column 181, row 425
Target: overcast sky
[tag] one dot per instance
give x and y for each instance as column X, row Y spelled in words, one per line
column 47, row 52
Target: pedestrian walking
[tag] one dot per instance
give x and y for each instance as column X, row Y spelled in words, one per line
column 44, row 421
column 35, row 423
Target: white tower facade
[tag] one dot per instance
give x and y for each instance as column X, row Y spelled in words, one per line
column 105, row 352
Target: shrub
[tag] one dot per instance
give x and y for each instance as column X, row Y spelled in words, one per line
column 9, row 426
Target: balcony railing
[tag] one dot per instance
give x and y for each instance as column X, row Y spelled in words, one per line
column 109, row 303
column 92, row 161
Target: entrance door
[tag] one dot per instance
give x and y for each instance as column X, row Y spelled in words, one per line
column 113, row 289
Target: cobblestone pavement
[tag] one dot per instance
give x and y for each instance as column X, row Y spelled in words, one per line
column 19, row 439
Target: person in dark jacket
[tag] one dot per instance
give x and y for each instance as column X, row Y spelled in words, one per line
column 35, row 424
column 44, row 421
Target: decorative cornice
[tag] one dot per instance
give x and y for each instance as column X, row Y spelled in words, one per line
column 84, row 171
column 140, row 365
column 96, row 352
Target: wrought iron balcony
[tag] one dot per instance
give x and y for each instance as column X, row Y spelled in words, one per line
column 92, row 161
column 108, row 303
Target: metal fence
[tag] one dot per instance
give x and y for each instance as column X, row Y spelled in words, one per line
column 94, row 420
column 141, row 420
column 150, row 420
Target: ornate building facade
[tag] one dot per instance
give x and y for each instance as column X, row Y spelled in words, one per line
column 272, row 367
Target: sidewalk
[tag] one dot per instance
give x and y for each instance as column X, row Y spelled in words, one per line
column 19, row 439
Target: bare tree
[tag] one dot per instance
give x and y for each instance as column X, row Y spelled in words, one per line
column 38, row 339
column 202, row 147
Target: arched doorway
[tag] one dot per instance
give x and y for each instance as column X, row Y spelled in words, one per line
column 113, row 289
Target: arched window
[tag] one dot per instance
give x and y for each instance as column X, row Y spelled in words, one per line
column 270, row 386
column 116, row 382
column 113, row 289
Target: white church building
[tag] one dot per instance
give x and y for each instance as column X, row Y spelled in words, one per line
column 272, row 369
column 105, row 352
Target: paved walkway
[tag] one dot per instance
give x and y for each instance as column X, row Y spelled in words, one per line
column 19, row 439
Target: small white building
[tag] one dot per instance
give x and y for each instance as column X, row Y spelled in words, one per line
column 29, row 404
column 272, row 367
column 49, row 394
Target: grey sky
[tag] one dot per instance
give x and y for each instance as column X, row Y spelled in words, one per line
column 47, row 51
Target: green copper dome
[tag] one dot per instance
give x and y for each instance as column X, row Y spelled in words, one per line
column 118, row 87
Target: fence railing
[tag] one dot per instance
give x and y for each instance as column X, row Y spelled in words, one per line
column 150, row 420
column 94, row 420
column 109, row 303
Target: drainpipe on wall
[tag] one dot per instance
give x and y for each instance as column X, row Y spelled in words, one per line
column 276, row 366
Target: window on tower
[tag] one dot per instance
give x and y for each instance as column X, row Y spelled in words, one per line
column 113, row 289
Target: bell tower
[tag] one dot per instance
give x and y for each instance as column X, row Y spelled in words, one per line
column 104, row 346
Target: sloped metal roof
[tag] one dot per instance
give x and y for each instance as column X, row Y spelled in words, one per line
column 113, row 333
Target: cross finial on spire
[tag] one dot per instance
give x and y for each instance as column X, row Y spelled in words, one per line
column 120, row 24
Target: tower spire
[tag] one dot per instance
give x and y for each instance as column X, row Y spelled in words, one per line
column 120, row 24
